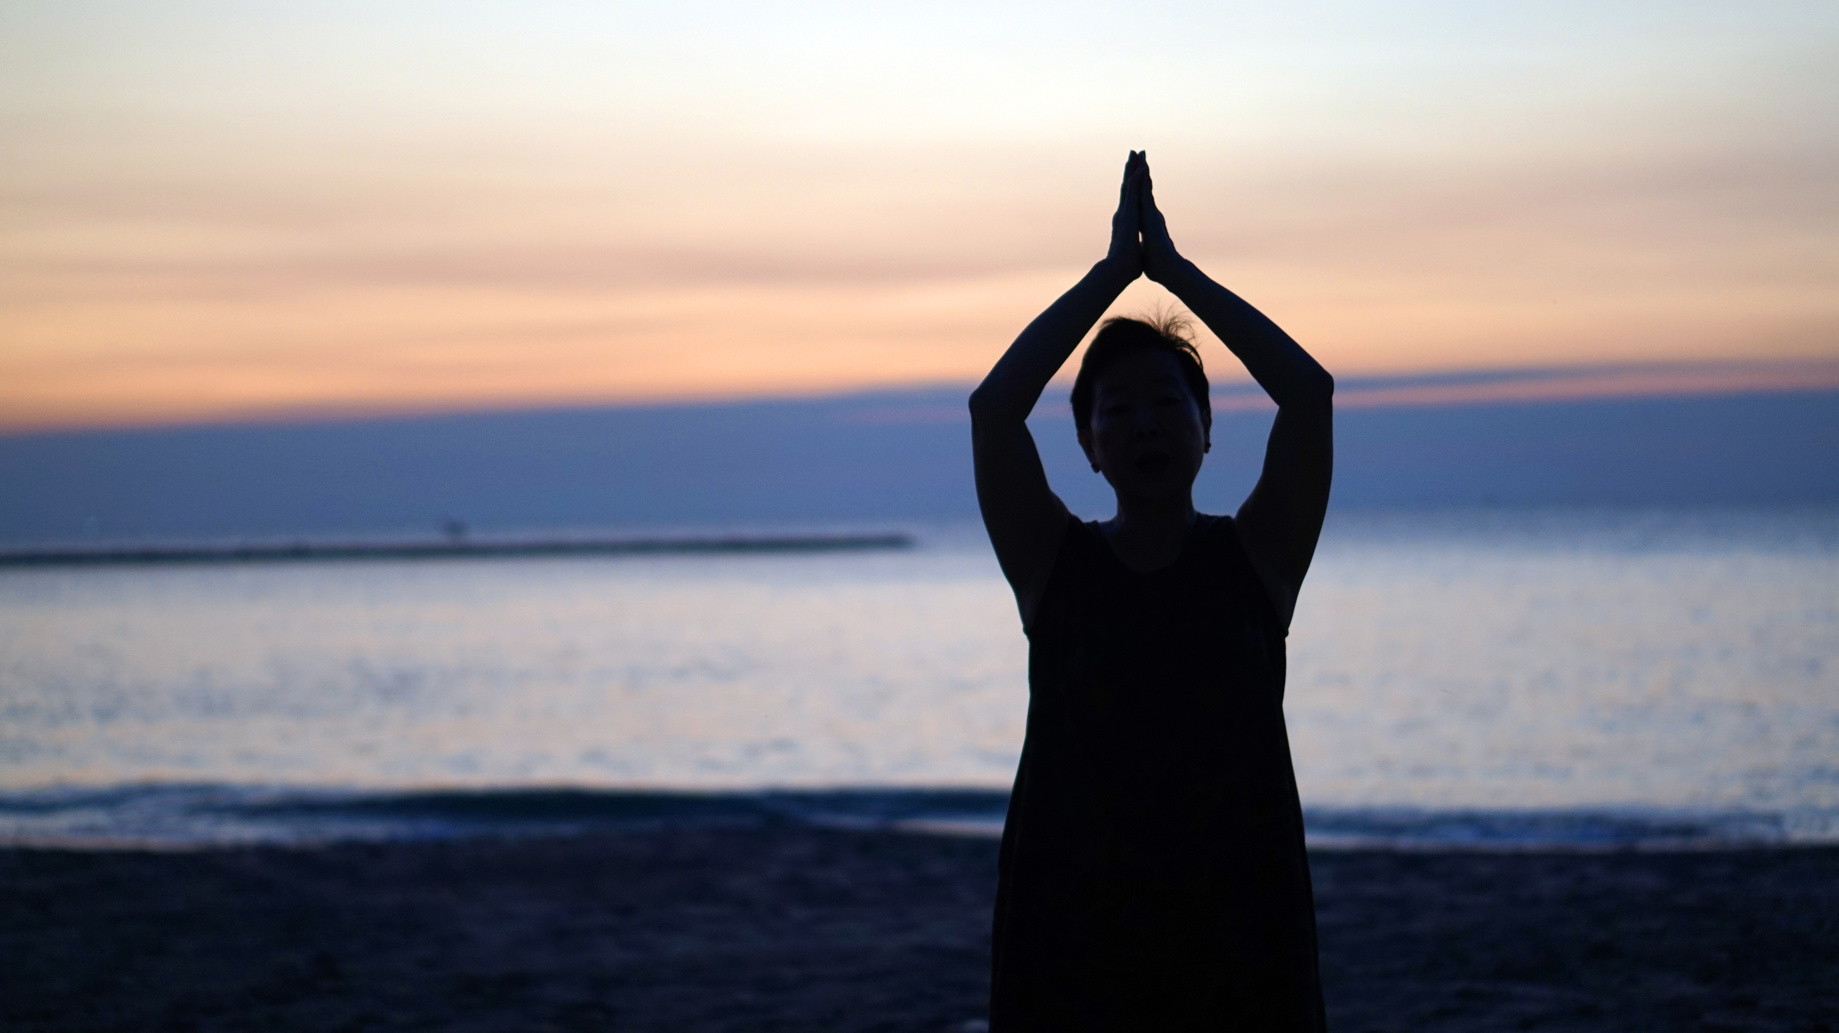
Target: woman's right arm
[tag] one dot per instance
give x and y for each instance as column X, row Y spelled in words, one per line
column 1026, row 521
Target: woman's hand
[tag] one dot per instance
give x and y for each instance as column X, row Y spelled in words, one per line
column 1160, row 260
column 1126, row 255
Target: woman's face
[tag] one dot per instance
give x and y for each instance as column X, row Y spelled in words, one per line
column 1147, row 434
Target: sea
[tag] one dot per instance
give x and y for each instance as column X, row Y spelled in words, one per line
column 1481, row 678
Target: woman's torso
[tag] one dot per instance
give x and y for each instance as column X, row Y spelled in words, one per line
column 1153, row 873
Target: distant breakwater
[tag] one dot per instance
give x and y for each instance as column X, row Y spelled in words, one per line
column 447, row 548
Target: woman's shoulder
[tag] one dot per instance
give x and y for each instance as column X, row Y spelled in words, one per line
column 1226, row 553
column 1215, row 520
column 1218, row 530
column 1082, row 543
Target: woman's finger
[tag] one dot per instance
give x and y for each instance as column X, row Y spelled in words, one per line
column 1131, row 165
column 1152, row 216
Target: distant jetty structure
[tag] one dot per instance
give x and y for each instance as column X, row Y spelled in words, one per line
column 451, row 547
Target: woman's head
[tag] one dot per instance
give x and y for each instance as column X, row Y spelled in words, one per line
column 1140, row 404
column 1124, row 335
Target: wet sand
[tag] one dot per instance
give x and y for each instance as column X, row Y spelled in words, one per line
column 795, row 928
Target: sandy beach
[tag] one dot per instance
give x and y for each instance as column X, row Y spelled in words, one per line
column 789, row 927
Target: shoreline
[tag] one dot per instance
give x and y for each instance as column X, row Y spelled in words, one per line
column 206, row 815
column 796, row 927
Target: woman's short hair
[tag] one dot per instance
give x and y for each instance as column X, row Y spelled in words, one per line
column 1126, row 335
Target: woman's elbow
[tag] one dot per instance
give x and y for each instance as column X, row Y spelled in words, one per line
column 1324, row 385
column 1313, row 390
column 986, row 404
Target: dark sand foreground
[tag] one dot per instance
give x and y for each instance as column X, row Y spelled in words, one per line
column 795, row 928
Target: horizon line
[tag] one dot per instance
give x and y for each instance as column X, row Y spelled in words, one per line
column 1422, row 389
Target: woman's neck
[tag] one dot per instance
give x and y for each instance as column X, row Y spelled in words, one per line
column 1150, row 535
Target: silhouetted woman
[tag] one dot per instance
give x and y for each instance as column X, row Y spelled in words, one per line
column 1153, row 875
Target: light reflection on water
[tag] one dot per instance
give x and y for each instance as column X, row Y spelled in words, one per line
column 1683, row 663
column 686, row 671
column 1479, row 660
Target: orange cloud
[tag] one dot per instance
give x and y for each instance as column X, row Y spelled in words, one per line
column 224, row 248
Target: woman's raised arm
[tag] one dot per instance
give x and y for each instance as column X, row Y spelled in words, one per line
column 1281, row 520
column 1025, row 519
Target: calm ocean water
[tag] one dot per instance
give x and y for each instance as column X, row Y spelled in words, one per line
column 1483, row 677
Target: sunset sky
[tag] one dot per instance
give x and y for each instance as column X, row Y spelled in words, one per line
column 216, row 211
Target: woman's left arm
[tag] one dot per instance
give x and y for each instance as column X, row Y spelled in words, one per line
column 1281, row 520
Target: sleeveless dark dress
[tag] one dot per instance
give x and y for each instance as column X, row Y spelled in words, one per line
column 1153, row 875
